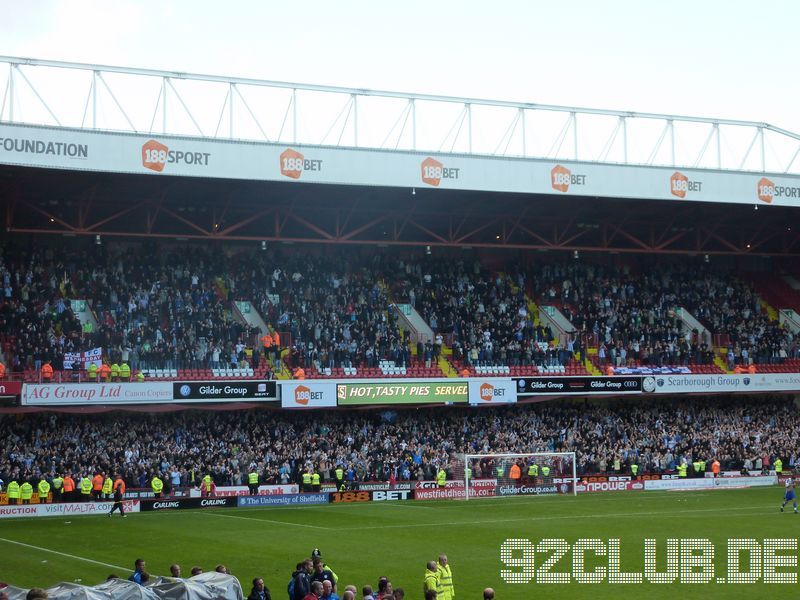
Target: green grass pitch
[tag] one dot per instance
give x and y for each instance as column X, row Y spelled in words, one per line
column 364, row 541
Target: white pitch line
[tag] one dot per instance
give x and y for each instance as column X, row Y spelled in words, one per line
column 89, row 560
column 216, row 514
column 550, row 518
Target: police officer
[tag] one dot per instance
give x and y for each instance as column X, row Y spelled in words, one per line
column 307, row 480
column 634, row 469
column 157, row 486
column 13, row 492
column 315, row 481
column 86, row 488
column 533, row 471
column 252, row 481
column 26, row 492
column 445, row 591
column 441, row 477
column 91, row 372
column 545, row 471
column 339, row 473
column 107, row 488
column 44, row 490
column 778, row 464
column 58, row 488
column 681, row 470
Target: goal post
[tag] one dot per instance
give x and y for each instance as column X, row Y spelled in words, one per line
column 531, row 474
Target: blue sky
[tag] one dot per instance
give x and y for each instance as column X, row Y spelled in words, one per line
column 730, row 59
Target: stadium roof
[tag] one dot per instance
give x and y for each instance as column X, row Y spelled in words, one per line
column 98, row 98
column 110, row 98
column 40, row 201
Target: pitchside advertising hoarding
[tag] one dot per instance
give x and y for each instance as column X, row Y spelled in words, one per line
column 243, row 490
column 528, row 386
column 68, row 509
column 398, row 391
column 749, row 382
column 148, row 392
column 308, row 394
column 186, row 503
column 64, row 148
column 283, row 500
column 707, row 483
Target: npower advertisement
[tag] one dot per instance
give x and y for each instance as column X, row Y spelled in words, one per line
column 64, row 148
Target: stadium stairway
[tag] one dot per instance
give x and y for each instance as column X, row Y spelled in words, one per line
column 776, row 292
column 588, row 364
column 769, row 309
column 448, row 370
column 720, row 359
column 284, row 373
column 533, row 308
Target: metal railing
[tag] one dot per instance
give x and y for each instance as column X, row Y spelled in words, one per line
column 149, row 101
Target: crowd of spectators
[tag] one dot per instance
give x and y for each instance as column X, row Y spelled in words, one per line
column 484, row 314
column 171, row 308
column 404, row 445
column 154, row 309
column 312, row 579
column 635, row 316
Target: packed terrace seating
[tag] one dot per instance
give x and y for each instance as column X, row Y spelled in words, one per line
column 408, row 444
column 485, row 318
column 167, row 311
column 633, row 316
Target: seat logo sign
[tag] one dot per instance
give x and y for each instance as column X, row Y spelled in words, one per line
column 488, row 392
column 561, row 178
column 766, row 190
column 293, row 163
column 302, row 395
column 156, row 156
column 679, row 185
column 433, row 172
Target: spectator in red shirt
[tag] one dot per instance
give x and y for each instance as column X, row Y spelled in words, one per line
column 316, row 591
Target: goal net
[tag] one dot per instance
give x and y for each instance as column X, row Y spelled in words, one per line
column 533, row 474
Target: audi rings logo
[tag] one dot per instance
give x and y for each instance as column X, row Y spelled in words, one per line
column 185, row 390
column 631, row 384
